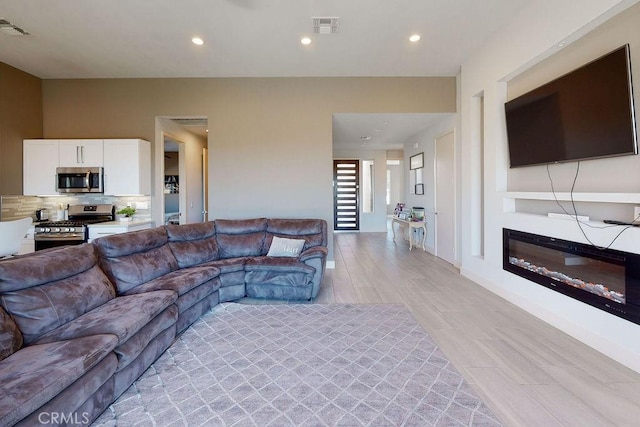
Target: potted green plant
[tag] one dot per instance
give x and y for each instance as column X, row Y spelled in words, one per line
column 126, row 213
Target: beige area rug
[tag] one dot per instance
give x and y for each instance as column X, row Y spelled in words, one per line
column 301, row 365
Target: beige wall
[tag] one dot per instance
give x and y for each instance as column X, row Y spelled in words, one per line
column 270, row 147
column 20, row 118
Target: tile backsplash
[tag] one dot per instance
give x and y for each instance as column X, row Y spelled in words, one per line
column 15, row 207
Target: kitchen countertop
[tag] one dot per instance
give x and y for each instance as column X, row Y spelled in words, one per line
column 121, row 223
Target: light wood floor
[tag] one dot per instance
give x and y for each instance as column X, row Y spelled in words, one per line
column 528, row 372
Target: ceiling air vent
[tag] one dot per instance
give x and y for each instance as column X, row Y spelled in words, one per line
column 9, row 29
column 190, row 121
column 325, row 25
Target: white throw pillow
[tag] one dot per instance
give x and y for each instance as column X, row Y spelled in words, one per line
column 285, row 247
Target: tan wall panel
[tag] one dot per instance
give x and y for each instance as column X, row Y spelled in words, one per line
column 20, row 118
column 270, row 146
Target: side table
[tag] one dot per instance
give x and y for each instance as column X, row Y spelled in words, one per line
column 410, row 225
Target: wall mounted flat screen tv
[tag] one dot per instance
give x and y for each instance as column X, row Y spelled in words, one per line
column 585, row 114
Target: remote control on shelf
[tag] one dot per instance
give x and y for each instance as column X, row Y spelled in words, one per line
column 612, row 221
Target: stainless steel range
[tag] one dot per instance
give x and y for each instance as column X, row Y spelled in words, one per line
column 73, row 231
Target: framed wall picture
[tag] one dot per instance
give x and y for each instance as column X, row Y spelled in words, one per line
column 419, row 188
column 417, row 161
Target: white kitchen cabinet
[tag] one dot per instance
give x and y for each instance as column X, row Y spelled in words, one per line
column 127, row 167
column 80, row 152
column 40, row 160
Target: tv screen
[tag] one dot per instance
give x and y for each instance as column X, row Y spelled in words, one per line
column 585, row 114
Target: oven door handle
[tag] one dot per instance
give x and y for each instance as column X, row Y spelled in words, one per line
column 54, row 236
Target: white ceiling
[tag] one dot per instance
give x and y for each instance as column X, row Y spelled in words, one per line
column 246, row 38
column 254, row 38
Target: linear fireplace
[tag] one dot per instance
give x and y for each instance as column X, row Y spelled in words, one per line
column 604, row 278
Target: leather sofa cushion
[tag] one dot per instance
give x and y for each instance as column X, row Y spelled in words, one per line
column 231, row 271
column 193, row 244
column 181, row 281
column 36, row 374
column 240, row 226
column 128, row 351
column 241, row 245
column 87, row 397
column 45, row 266
column 313, row 231
column 229, row 265
column 122, row 317
column 278, row 271
column 129, row 271
column 40, row 309
column 10, row 336
column 240, row 237
column 118, row 245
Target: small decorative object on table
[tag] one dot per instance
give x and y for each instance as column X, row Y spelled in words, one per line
column 417, row 213
column 125, row 214
column 399, row 208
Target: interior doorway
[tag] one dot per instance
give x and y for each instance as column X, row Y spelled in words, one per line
column 188, row 187
column 173, row 176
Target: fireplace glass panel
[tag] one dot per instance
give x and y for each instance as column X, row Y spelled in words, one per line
column 602, row 278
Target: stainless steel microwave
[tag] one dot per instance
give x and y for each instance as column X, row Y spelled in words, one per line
column 79, row 180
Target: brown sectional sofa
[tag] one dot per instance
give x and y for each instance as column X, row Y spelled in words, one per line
column 79, row 324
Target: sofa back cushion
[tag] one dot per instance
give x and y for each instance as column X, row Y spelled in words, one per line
column 131, row 259
column 10, row 336
column 240, row 237
column 47, row 289
column 313, row 231
column 193, row 244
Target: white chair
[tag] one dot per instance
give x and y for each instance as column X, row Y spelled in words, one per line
column 11, row 236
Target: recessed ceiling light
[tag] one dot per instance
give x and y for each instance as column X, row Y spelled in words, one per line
column 305, row 41
column 414, row 38
column 198, row 41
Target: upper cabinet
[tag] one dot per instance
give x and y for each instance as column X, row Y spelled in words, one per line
column 80, row 152
column 40, row 160
column 126, row 163
column 127, row 167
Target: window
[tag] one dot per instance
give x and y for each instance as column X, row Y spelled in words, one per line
column 367, row 186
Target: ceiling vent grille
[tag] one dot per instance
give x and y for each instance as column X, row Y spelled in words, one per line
column 325, row 25
column 9, row 29
column 189, row 121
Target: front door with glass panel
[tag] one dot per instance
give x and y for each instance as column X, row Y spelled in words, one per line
column 346, row 185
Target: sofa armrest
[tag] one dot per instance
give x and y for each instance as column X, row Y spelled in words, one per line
column 313, row 252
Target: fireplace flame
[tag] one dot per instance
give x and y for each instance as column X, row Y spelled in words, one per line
column 594, row 288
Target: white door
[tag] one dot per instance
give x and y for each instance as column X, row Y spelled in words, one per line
column 445, row 197
column 205, row 185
